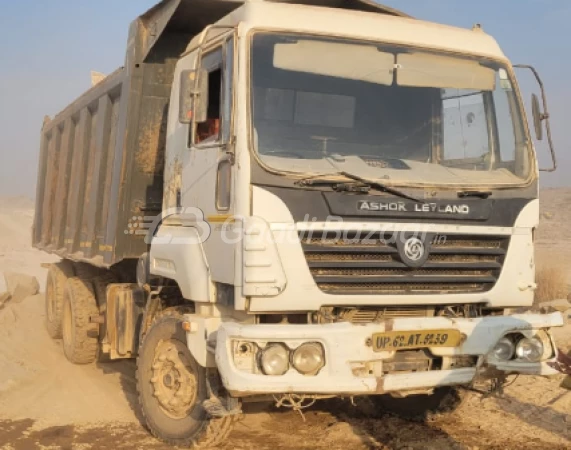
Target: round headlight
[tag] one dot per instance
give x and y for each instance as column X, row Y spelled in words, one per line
column 504, row 349
column 530, row 350
column 309, row 359
column 274, row 360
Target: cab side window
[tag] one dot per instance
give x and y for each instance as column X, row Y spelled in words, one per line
column 209, row 131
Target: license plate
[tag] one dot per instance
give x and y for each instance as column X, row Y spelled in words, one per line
column 406, row 340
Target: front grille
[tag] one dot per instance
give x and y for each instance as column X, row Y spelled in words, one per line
column 372, row 265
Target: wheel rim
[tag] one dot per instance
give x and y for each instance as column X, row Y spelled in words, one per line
column 50, row 296
column 173, row 381
column 66, row 325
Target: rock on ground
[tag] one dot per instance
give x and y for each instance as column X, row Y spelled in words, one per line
column 21, row 286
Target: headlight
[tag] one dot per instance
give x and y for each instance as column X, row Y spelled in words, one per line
column 504, row 349
column 309, row 359
column 530, row 350
column 274, row 360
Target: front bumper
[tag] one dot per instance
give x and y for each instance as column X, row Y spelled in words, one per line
column 347, row 352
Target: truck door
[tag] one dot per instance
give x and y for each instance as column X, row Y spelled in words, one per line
column 208, row 169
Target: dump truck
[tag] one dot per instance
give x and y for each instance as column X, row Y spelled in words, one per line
column 294, row 201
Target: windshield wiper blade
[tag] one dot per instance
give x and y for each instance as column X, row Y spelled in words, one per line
column 478, row 194
column 381, row 187
column 339, row 186
column 365, row 186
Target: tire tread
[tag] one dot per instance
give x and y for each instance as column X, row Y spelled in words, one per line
column 58, row 274
column 85, row 343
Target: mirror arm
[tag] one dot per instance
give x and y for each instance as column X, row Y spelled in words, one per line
column 545, row 116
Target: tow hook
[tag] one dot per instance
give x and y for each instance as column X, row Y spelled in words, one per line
column 563, row 364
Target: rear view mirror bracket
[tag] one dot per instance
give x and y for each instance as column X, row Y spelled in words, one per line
column 193, row 96
column 540, row 117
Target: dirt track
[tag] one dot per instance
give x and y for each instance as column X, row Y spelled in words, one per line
column 49, row 403
column 509, row 423
column 45, row 402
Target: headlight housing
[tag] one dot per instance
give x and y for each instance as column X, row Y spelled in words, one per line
column 504, row 349
column 529, row 350
column 274, row 360
column 309, row 359
column 519, row 347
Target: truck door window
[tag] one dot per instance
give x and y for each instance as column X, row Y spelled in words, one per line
column 209, row 131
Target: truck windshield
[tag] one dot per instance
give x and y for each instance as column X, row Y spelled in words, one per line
column 392, row 113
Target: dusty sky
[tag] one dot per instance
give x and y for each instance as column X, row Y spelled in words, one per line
column 49, row 48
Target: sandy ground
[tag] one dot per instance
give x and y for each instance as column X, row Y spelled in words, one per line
column 46, row 402
column 16, row 218
column 553, row 239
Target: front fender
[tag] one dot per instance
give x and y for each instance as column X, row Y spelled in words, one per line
column 177, row 254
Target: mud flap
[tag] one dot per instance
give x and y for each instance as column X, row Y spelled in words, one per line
column 125, row 308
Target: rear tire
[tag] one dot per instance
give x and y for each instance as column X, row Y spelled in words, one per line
column 172, row 387
column 80, row 336
column 444, row 400
column 56, row 282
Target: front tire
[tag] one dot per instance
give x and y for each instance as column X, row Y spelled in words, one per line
column 172, row 387
column 444, row 400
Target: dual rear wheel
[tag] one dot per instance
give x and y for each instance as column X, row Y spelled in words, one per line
column 70, row 303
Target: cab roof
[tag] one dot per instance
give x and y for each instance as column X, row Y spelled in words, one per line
column 359, row 19
column 385, row 28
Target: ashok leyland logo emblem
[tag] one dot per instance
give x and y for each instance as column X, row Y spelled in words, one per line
column 413, row 251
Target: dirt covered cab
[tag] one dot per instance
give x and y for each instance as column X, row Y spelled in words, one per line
column 294, row 201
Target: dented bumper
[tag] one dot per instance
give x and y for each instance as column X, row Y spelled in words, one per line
column 353, row 367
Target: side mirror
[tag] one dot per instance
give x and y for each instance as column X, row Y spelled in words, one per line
column 540, row 117
column 537, row 117
column 193, row 96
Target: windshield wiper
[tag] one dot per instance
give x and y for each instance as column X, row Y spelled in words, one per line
column 478, row 194
column 381, row 187
column 338, row 186
column 365, row 185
